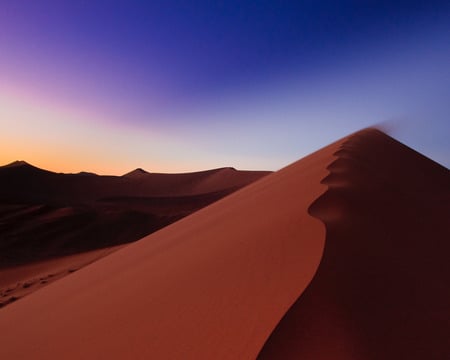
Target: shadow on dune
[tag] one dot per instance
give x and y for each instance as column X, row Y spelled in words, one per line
column 381, row 289
column 45, row 215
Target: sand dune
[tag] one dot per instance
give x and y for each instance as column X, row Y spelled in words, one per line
column 381, row 291
column 183, row 184
column 45, row 214
column 22, row 181
column 211, row 286
column 359, row 224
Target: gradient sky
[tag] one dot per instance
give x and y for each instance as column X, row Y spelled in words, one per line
column 172, row 86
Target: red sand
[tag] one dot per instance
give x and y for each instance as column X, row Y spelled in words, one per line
column 19, row 281
column 228, row 282
column 381, row 291
column 211, row 286
column 45, row 214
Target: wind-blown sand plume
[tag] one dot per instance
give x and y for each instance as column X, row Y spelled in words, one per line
column 211, row 286
column 241, row 278
column 381, row 290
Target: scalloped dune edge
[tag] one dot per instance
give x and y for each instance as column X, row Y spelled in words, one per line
column 381, row 290
column 228, row 282
column 212, row 286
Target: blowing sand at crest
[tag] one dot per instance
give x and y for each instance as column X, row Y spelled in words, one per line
column 340, row 255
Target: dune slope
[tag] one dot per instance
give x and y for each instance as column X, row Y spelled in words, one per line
column 210, row 286
column 22, row 280
column 61, row 222
column 342, row 255
column 381, row 290
column 45, row 214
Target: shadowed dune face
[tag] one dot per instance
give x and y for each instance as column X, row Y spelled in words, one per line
column 32, row 232
column 255, row 275
column 381, row 290
column 210, row 286
column 44, row 214
column 61, row 222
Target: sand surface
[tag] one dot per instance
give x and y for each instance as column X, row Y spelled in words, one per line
column 341, row 255
column 210, row 286
column 45, row 214
column 381, row 291
column 19, row 281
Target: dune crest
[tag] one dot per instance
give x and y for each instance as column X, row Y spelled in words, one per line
column 46, row 215
column 381, row 290
column 341, row 255
column 210, row 286
column 61, row 222
column 136, row 173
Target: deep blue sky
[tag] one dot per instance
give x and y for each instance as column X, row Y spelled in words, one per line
column 254, row 84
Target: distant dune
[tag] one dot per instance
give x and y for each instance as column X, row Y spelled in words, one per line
column 46, row 215
column 341, row 255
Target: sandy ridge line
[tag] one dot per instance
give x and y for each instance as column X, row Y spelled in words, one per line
column 380, row 289
column 268, row 354
column 322, row 181
column 212, row 285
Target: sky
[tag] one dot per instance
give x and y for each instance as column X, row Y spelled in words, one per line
column 176, row 86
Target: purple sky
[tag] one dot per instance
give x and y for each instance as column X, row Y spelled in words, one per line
column 108, row 86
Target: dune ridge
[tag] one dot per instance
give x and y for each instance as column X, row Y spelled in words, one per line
column 341, row 255
column 210, row 286
column 381, row 289
column 61, row 222
column 48, row 214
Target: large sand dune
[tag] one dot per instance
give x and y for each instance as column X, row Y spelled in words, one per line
column 81, row 217
column 381, row 290
column 228, row 282
column 45, row 214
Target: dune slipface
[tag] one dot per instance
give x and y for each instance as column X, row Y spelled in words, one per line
column 212, row 286
column 381, row 290
column 241, row 278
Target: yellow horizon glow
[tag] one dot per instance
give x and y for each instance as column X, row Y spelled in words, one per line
column 62, row 140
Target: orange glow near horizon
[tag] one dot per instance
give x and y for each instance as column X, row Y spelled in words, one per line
column 62, row 140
